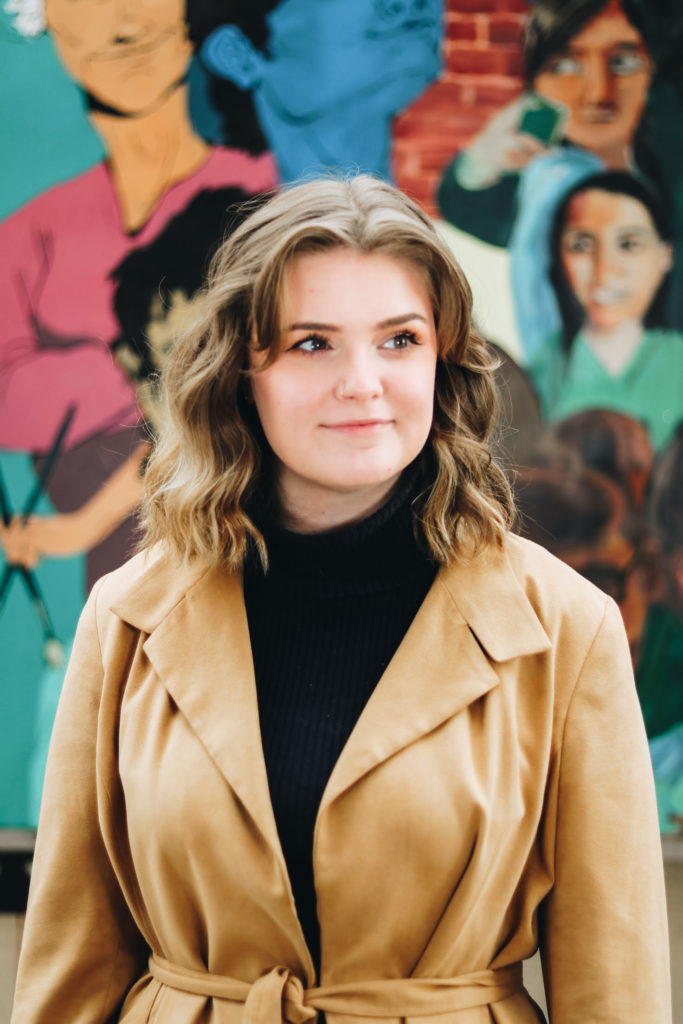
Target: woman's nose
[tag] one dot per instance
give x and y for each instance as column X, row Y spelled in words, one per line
column 359, row 378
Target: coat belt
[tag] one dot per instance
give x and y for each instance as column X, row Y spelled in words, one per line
column 279, row 996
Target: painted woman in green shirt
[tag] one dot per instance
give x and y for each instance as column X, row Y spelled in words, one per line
column 612, row 252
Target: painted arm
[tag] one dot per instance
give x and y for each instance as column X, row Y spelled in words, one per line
column 478, row 190
column 79, row 531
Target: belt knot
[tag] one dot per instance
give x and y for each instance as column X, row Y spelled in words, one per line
column 278, row 996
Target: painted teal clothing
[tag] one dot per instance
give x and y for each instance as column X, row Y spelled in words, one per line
column 650, row 388
column 666, row 752
column 659, row 675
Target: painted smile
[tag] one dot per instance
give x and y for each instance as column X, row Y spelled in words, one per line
column 124, row 51
column 608, row 296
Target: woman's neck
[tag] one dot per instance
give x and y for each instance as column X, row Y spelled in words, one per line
column 150, row 152
column 618, row 157
column 614, row 347
column 311, row 509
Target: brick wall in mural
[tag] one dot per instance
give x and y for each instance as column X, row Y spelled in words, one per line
column 553, row 169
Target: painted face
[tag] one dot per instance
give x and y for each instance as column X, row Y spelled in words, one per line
column 127, row 53
column 612, row 256
column 602, row 78
column 348, row 403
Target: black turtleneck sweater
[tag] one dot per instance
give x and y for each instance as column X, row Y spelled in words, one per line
column 324, row 622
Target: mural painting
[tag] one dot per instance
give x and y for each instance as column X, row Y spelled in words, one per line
column 575, row 184
column 533, row 132
column 175, row 116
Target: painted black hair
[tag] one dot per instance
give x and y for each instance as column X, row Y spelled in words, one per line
column 177, row 260
column 552, row 24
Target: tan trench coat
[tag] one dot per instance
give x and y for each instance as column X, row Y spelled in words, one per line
column 495, row 790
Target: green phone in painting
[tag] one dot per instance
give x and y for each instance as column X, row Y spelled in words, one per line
column 543, row 119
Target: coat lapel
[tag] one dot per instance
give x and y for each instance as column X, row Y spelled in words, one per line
column 199, row 647
column 475, row 614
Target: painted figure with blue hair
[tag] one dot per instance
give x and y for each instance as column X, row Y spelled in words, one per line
column 334, row 76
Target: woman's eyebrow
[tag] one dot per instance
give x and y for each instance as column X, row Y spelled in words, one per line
column 309, row 325
column 404, row 318
column 391, row 321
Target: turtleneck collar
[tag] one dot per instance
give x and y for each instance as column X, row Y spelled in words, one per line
column 372, row 554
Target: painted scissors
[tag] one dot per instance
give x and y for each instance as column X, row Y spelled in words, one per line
column 53, row 649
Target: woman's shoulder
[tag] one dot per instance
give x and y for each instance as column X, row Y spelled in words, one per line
column 520, row 599
column 147, row 587
column 550, row 583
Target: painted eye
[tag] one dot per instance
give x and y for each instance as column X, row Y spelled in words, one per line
column 565, row 66
column 627, row 63
column 401, row 341
column 579, row 244
column 631, row 243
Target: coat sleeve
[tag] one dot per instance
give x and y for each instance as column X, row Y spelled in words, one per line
column 81, row 949
column 604, row 942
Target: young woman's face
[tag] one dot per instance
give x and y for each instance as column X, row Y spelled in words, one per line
column 602, row 78
column 127, row 53
column 348, row 403
column 612, row 256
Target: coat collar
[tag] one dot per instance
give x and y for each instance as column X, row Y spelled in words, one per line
column 475, row 615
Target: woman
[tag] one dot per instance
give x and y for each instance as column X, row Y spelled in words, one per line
column 364, row 781
column 612, row 253
column 588, row 62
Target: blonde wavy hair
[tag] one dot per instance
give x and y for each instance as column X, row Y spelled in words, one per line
column 211, row 454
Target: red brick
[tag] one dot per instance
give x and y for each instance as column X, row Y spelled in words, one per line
column 461, row 28
column 512, row 63
column 419, row 189
column 474, row 6
column 506, row 29
column 433, row 163
column 518, row 6
column 441, row 94
column 496, row 93
column 463, row 60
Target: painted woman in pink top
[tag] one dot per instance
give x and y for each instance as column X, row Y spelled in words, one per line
column 60, row 249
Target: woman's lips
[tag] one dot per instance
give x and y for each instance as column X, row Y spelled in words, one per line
column 358, row 427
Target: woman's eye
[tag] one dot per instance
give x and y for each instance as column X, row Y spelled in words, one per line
column 402, row 340
column 627, row 63
column 313, row 343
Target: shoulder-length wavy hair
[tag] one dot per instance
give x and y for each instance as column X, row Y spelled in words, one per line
column 211, row 455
